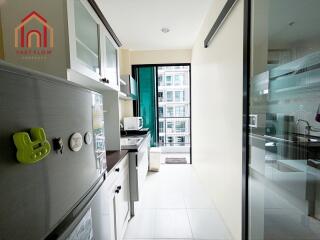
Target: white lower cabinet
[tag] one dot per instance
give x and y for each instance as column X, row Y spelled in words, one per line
column 118, row 199
column 122, row 205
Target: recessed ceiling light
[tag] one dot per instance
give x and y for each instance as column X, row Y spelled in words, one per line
column 165, row 30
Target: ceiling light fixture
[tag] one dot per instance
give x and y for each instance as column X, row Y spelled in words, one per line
column 165, row 30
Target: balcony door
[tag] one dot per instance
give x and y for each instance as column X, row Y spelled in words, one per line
column 165, row 106
column 174, row 115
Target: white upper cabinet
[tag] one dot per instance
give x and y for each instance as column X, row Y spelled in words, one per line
column 92, row 50
column 110, row 67
column 84, row 39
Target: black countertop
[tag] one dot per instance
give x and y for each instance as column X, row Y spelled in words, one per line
column 113, row 157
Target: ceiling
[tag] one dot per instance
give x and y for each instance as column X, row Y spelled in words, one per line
column 138, row 23
column 293, row 21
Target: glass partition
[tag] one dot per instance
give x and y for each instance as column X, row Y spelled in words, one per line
column 284, row 135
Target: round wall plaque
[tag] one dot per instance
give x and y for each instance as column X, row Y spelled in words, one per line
column 75, row 142
column 88, row 138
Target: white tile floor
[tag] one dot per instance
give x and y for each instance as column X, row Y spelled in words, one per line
column 175, row 206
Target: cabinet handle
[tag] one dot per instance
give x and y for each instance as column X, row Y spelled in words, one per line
column 104, row 80
column 117, row 191
column 117, row 169
column 119, row 188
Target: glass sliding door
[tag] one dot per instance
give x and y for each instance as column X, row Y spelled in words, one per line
column 284, row 129
column 174, row 109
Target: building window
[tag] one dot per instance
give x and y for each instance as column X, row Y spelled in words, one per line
column 161, row 126
column 180, row 126
column 169, row 127
column 170, row 112
column 169, row 96
column 160, row 80
column 179, row 96
column 161, row 112
column 180, row 111
column 178, row 80
column 160, row 96
column 161, row 140
column 181, row 141
column 168, row 80
column 170, row 141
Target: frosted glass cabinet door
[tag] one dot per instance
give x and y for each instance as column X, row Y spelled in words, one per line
column 87, row 37
column 111, row 63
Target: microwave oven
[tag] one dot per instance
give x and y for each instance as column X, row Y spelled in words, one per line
column 132, row 123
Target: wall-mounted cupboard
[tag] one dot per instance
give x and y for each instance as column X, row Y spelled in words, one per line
column 78, row 45
column 128, row 87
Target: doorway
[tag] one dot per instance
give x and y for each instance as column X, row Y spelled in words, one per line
column 168, row 109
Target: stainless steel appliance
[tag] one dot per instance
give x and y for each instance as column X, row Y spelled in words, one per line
column 51, row 198
column 132, row 123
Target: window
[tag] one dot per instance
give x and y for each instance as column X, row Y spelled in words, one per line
column 161, row 126
column 170, row 141
column 170, row 112
column 168, row 80
column 160, row 112
column 180, row 111
column 178, row 80
column 180, row 126
column 160, row 96
column 169, row 96
column 181, row 140
column 161, row 140
column 170, row 127
column 160, row 80
column 179, row 96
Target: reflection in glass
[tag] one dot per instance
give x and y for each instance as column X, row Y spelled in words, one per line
column 284, row 163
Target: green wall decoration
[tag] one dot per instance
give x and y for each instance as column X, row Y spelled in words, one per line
column 31, row 151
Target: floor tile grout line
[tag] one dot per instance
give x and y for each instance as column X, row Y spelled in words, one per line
column 190, row 224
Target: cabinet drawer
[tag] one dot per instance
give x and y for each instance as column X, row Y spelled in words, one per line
column 118, row 170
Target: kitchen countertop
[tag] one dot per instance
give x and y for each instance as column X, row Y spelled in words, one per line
column 134, row 147
column 309, row 141
column 302, row 166
column 113, row 157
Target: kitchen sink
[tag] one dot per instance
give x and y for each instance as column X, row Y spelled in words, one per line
column 130, row 141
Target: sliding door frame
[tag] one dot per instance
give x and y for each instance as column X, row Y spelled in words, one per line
column 245, row 117
column 135, row 68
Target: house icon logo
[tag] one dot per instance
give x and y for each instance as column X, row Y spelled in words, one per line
column 34, row 32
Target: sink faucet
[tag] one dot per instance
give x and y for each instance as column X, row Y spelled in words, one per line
column 308, row 127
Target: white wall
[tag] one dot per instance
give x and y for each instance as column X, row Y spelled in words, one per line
column 217, row 112
column 160, row 56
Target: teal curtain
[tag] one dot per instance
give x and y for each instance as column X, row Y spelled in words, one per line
column 147, row 100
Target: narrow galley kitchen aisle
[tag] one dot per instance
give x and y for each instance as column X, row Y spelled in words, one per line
column 175, row 206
